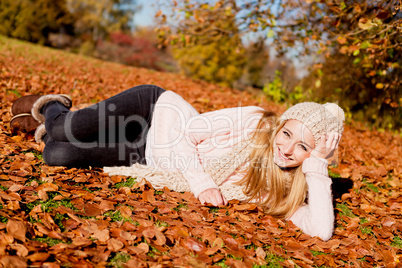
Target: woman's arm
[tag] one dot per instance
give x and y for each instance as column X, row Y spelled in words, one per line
column 215, row 130
column 317, row 217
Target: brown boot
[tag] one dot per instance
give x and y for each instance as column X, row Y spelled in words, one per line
column 43, row 100
column 40, row 132
column 24, row 104
column 22, row 118
column 23, row 122
column 26, row 111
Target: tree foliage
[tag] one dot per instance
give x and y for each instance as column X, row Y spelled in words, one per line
column 138, row 49
column 33, row 20
column 366, row 34
column 207, row 43
column 257, row 57
column 96, row 18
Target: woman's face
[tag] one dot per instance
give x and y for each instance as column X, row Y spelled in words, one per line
column 292, row 144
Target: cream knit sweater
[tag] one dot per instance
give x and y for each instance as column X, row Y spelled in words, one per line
column 185, row 149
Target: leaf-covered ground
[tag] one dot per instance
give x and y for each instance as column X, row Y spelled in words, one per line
column 59, row 217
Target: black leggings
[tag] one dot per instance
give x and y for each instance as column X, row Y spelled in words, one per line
column 110, row 133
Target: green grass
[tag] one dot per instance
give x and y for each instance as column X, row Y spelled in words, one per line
column 36, row 153
column 345, row 210
column 128, row 183
column 49, row 205
column 3, row 188
column 372, row 187
column 213, row 210
column 119, row 260
column 161, row 224
column 32, row 178
column 363, row 220
column 366, row 230
column 397, row 242
column 49, row 241
column 58, row 219
column 252, row 246
column 333, row 174
column 363, row 259
column 180, row 206
column 87, row 189
column 116, row 216
column 2, row 218
column 153, row 250
column 14, row 91
column 221, row 263
column 316, row 253
column 273, row 261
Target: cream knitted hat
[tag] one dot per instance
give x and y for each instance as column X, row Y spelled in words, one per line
column 318, row 118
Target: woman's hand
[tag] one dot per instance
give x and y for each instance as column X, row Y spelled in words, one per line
column 326, row 146
column 212, row 196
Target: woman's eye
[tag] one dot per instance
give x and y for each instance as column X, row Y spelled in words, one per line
column 303, row 147
column 286, row 134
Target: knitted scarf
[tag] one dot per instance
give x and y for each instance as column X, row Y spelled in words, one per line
column 174, row 180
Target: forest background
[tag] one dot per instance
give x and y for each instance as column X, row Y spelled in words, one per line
column 348, row 52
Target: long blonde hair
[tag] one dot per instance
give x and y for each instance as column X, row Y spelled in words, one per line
column 279, row 191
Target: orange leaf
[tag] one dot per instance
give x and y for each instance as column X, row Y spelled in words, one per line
column 245, row 207
column 160, row 238
column 114, row 245
column 193, row 244
column 20, row 249
column 47, row 187
column 101, row 235
column 91, row 210
column 16, row 229
column 341, row 40
column 39, row 256
column 13, row 261
column 158, row 14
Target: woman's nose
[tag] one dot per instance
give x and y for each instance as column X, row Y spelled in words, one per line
column 288, row 148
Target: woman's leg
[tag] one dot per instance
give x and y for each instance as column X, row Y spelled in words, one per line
column 120, row 118
column 111, row 132
column 61, row 153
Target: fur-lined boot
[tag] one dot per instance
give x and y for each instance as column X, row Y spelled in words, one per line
column 27, row 114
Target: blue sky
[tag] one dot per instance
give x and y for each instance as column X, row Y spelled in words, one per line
column 146, row 15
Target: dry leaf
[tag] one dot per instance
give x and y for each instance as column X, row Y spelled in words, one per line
column 114, row 245
column 101, row 235
column 13, row 262
column 21, row 250
column 16, row 229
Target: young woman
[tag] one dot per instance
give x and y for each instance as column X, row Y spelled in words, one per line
column 243, row 153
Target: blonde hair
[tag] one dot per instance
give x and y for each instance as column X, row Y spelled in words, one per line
column 279, row 191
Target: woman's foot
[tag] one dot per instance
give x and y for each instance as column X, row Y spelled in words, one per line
column 36, row 110
column 40, row 133
column 23, row 122
column 27, row 114
column 24, row 104
column 22, row 118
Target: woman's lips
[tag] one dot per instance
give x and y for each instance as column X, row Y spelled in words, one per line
column 282, row 156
